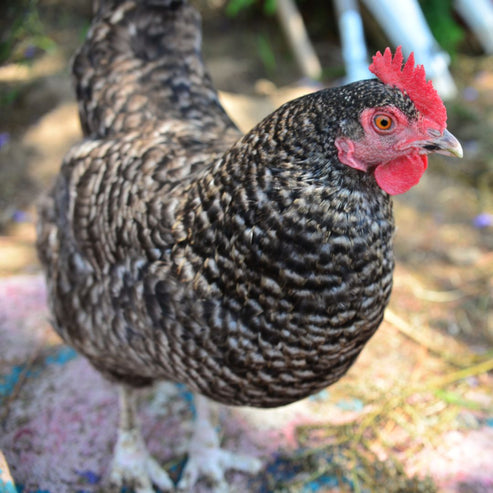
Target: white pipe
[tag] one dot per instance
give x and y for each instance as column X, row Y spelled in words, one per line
column 478, row 15
column 352, row 40
column 404, row 23
column 294, row 28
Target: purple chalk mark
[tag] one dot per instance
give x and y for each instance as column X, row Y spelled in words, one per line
column 90, row 476
column 483, row 220
column 4, row 138
column 20, row 216
column 470, row 93
column 29, row 52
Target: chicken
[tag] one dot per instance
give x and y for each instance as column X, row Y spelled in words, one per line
column 251, row 268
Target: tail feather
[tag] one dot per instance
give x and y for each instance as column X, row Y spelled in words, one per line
column 102, row 6
column 142, row 63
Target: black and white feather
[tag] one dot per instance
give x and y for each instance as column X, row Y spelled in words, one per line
column 251, row 268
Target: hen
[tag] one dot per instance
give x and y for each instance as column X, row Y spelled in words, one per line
column 252, row 269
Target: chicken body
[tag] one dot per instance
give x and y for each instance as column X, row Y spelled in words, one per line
column 252, row 269
column 254, row 275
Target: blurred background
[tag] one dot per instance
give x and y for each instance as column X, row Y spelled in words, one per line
column 421, row 392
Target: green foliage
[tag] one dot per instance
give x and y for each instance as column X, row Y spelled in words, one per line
column 22, row 33
column 264, row 48
column 439, row 14
column 8, row 96
column 266, row 54
column 234, row 7
column 270, row 7
column 454, row 398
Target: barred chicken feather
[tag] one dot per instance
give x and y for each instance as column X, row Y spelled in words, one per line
column 251, row 268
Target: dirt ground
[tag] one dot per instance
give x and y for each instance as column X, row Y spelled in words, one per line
column 419, row 401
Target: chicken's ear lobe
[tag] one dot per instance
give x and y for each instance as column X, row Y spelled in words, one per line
column 345, row 152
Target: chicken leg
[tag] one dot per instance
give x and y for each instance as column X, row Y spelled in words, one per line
column 132, row 464
column 205, row 456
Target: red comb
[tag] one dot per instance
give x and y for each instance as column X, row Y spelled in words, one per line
column 412, row 81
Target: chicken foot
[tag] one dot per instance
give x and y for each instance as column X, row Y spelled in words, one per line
column 132, row 464
column 206, row 458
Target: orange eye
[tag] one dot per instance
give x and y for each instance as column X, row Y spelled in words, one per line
column 383, row 122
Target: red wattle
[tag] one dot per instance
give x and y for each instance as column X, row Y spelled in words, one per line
column 399, row 175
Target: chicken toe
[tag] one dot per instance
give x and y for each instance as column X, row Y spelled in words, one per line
column 132, row 464
column 207, row 459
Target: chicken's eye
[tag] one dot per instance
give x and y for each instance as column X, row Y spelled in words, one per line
column 383, row 122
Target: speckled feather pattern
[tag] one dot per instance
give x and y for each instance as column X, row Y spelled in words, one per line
column 253, row 269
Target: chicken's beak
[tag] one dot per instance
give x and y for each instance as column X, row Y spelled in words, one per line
column 445, row 144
